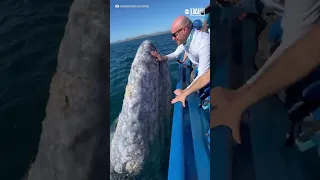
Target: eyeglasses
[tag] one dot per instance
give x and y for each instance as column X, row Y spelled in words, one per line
column 177, row 32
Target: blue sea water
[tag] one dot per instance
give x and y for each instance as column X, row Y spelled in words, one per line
column 30, row 35
column 121, row 58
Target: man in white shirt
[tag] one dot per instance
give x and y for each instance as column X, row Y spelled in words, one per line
column 195, row 44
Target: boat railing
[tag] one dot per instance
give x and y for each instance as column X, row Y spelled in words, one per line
column 199, row 124
column 177, row 162
column 199, row 127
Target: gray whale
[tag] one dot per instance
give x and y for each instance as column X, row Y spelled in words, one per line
column 139, row 146
column 74, row 142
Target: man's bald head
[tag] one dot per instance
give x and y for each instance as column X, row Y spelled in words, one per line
column 180, row 22
column 181, row 28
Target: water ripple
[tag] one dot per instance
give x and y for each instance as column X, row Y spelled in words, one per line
column 30, row 35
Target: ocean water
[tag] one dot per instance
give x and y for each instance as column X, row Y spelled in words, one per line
column 30, row 35
column 121, row 58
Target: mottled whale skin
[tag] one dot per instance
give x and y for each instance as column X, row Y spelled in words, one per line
column 139, row 146
column 74, row 142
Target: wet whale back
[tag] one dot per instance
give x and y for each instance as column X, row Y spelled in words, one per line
column 138, row 142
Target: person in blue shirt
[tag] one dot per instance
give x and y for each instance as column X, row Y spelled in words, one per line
column 197, row 24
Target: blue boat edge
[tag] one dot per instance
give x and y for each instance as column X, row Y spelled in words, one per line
column 190, row 142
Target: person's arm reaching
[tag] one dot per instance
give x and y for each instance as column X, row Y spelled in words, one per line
column 203, row 77
column 171, row 56
column 295, row 63
column 198, row 84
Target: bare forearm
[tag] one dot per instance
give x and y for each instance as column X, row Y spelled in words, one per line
column 294, row 64
column 166, row 58
column 199, row 83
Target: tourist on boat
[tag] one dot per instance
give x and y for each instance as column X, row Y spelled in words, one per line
column 181, row 95
column 195, row 44
column 197, row 24
column 295, row 58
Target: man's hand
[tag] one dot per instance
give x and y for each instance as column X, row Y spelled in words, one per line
column 226, row 113
column 180, row 96
column 229, row 116
column 158, row 56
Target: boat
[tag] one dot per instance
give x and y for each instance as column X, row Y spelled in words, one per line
column 263, row 154
column 190, row 141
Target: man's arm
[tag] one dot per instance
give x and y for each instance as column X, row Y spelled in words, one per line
column 199, row 83
column 175, row 54
column 171, row 56
column 295, row 63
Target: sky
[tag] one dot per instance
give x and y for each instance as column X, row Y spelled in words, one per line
column 158, row 16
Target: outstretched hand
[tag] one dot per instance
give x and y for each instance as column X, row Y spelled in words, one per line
column 226, row 113
column 157, row 55
column 180, row 97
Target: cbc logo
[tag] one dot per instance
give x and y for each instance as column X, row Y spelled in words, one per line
column 117, row 6
column 186, row 11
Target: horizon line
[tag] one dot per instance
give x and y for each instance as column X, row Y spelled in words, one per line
column 138, row 36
